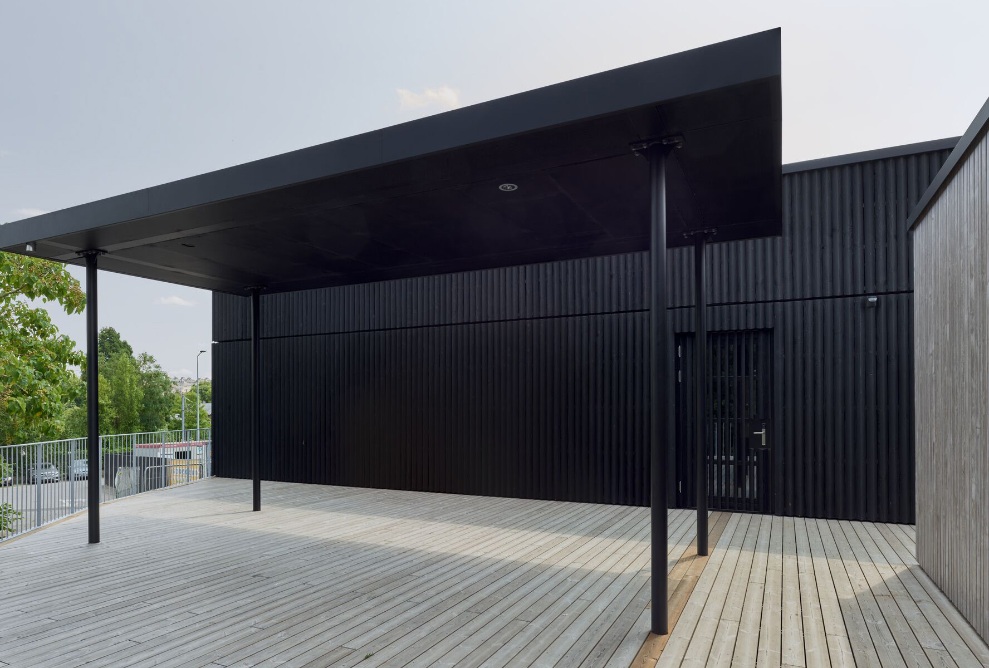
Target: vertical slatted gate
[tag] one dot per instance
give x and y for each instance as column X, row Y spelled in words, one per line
column 739, row 405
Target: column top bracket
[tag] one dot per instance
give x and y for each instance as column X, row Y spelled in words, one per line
column 701, row 235
column 91, row 252
column 669, row 143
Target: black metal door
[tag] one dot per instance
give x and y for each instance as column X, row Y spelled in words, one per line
column 740, row 399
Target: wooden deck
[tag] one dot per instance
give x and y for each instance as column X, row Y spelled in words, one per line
column 795, row 592
column 342, row 576
column 331, row 576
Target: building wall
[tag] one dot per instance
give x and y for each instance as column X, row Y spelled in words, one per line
column 525, row 382
column 530, row 381
column 951, row 251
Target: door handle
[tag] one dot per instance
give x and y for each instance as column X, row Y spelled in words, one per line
column 762, row 433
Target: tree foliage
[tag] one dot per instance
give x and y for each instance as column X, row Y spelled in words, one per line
column 123, row 378
column 9, row 516
column 35, row 360
column 109, row 344
column 156, row 387
column 74, row 418
column 205, row 391
column 135, row 393
column 190, row 411
column 41, row 396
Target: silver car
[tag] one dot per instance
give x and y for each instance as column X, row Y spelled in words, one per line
column 79, row 470
column 47, row 472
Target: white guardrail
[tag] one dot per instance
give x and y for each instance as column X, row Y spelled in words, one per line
column 46, row 481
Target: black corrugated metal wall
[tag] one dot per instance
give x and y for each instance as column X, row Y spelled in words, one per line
column 530, row 381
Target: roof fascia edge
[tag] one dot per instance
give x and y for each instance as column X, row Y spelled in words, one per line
column 972, row 136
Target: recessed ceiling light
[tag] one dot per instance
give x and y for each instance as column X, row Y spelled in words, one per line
column 29, row 247
column 507, row 187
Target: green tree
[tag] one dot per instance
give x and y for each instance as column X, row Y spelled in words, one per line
column 156, row 389
column 74, row 420
column 110, row 344
column 206, row 396
column 140, row 393
column 135, row 394
column 9, row 517
column 123, row 378
column 175, row 422
column 35, row 359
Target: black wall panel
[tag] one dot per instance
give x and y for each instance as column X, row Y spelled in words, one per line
column 848, row 417
column 551, row 408
column 612, row 284
column 231, row 398
column 530, row 381
column 842, row 437
column 844, row 233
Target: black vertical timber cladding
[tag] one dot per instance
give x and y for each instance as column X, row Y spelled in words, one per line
column 451, row 408
column 530, row 381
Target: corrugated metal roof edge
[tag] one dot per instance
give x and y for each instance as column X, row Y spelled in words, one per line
column 978, row 128
column 875, row 154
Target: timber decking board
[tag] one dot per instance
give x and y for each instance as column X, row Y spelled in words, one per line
column 818, row 593
column 330, row 575
column 334, row 576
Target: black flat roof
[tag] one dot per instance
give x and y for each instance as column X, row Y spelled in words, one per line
column 424, row 197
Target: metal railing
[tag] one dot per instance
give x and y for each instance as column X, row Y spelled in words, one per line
column 46, row 481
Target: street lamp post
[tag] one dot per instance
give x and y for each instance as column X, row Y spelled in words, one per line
column 198, row 400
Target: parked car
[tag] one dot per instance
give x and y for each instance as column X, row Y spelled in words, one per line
column 47, row 472
column 79, row 470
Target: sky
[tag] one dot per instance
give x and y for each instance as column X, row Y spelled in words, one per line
column 102, row 98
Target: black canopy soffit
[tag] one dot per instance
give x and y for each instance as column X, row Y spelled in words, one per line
column 539, row 176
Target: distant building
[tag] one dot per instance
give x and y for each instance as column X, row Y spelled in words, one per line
column 184, row 384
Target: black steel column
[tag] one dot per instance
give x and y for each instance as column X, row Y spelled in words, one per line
column 658, row 377
column 700, row 391
column 94, row 478
column 256, row 396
